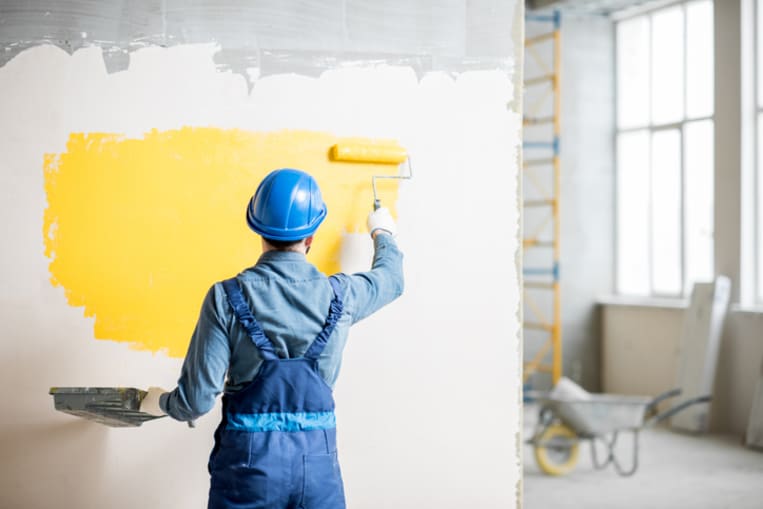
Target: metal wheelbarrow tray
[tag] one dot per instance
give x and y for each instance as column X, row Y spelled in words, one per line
column 603, row 413
column 564, row 422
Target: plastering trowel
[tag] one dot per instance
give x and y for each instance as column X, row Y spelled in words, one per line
column 118, row 407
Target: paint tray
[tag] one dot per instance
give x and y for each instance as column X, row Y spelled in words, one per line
column 118, row 407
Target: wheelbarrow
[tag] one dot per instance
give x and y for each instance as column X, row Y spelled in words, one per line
column 564, row 422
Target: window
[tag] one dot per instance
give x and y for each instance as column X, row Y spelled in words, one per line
column 665, row 150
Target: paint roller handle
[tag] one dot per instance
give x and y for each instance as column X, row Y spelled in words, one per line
column 381, row 220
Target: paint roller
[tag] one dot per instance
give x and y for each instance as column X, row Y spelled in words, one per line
column 352, row 150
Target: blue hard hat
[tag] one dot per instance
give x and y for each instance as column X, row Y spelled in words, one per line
column 287, row 206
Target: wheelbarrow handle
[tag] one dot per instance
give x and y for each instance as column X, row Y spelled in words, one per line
column 672, row 393
column 678, row 408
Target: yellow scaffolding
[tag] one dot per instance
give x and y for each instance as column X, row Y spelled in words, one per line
column 544, row 278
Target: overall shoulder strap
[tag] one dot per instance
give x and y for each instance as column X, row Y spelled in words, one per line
column 246, row 319
column 335, row 313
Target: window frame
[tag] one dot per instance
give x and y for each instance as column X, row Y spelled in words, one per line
column 650, row 128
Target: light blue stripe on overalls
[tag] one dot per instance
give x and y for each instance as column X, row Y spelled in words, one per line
column 298, row 421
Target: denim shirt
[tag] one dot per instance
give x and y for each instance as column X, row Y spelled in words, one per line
column 290, row 299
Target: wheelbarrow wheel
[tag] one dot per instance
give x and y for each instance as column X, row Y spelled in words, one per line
column 556, row 450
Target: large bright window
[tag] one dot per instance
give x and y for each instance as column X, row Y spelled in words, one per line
column 665, row 150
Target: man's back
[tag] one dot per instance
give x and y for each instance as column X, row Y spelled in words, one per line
column 290, row 299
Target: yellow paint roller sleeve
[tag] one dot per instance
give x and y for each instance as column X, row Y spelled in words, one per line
column 370, row 151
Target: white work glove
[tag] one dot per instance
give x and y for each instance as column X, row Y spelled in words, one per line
column 381, row 220
column 150, row 403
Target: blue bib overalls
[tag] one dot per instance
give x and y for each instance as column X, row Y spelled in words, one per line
column 276, row 445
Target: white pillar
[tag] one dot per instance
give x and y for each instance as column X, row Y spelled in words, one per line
column 728, row 140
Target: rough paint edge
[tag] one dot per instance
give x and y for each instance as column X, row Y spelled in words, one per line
column 518, row 35
column 264, row 63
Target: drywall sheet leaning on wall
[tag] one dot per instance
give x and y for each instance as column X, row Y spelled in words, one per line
column 123, row 199
column 699, row 348
column 754, row 435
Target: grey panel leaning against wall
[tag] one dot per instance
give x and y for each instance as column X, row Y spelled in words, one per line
column 754, row 436
column 699, row 349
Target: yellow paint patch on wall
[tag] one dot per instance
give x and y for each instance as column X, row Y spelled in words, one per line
column 139, row 229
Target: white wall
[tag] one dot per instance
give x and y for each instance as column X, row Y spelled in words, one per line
column 587, row 185
column 428, row 402
column 585, row 193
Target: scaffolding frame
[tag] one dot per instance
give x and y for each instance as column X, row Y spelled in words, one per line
column 550, row 201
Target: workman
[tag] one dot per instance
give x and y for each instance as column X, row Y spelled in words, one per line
column 277, row 330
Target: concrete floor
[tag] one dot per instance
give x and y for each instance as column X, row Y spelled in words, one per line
column 675, row 471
